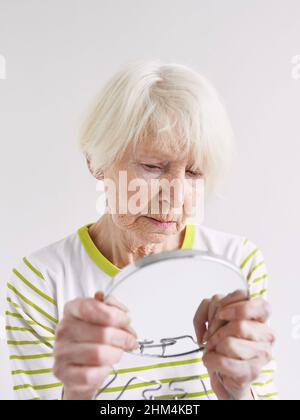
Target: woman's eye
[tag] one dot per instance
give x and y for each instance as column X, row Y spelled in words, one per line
column 194, row 173
column 148, row 166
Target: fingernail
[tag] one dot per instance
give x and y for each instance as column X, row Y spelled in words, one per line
column 133, row 343
column 205, row 336
column 99, row 296
column 130, row 329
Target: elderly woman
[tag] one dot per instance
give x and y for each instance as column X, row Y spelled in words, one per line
column 152, row 121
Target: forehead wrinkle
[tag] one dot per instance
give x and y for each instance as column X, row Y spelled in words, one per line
column 169, row 150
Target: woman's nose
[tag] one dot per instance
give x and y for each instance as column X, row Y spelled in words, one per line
column 172, row 192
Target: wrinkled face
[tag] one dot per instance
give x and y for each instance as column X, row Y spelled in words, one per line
column 152, row 191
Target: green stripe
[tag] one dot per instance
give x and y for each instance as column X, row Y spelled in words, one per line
column 94, row 253
column 36, row 398
column 254, row 295
column 263, row 383
column 258, row 279
column 38, row 291
column 189, row 237
column 31, row 372
column 33, row 305
column 245, row 241
column 13, row 303
column 20, row 317
column 248, row 258
column 32, row 322
column 9, row 328
column 267, row 371
column 51, row 330
column 156, row 366
column 47, row 386
column 273, row 394
column 30, row 356
column 32, row 268
column 26, row 342
column 255, row 268
column 165, row 380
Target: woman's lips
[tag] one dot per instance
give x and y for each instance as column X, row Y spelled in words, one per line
column 162, row 224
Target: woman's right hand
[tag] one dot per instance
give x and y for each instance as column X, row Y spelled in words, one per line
column 89, row 339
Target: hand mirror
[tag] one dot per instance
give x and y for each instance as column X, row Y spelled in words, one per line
column 163, row 292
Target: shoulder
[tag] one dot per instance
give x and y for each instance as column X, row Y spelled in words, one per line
column 31, row 286
column 55, row 253
column 223, row 243
column 41, row 266
column 242, row 251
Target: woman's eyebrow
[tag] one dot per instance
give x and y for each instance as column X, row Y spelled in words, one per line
column 153, row 157
column 160, row 155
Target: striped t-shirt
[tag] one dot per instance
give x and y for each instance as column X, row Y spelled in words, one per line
column 41, row 284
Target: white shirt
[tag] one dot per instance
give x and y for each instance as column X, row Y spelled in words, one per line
column 72, row 267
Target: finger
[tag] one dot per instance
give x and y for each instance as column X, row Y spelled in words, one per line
column 218, row 386
column 80, row 331
column 213, row 307
column 95, row 312
column 212, row 321
column 237, row 296
column 81, row 377
column 236, row 389
column 248, row 330
column 200, row 319
column 111, row 300
column 240, row 370
column 215, row 325
column 87, row 354
column 238, row 348
column 256, row 309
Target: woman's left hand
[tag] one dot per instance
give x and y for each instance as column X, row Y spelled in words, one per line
column 238, row 342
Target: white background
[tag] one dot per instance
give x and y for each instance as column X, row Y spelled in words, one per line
column 58, row 55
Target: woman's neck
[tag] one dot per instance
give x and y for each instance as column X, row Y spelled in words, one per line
column 122, row 247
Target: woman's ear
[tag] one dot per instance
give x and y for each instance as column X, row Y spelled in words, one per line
column 99, row 174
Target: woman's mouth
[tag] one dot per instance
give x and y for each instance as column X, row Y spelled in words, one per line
column 161, row 223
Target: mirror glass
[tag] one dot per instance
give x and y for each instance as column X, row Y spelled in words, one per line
column 163, row 293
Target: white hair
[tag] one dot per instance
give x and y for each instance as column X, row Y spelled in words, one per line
column 166, row 102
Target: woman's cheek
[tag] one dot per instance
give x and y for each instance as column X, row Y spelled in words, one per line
column 194, row 198
column 139, row 193
column 189, row 198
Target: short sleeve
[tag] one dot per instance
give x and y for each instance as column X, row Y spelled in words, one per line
column 31, row 319
column 254, row 267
